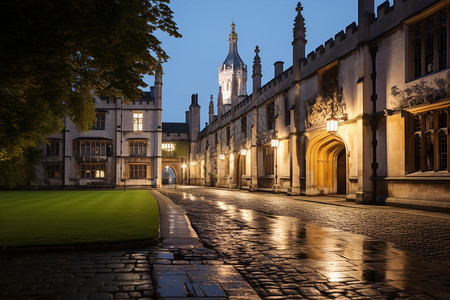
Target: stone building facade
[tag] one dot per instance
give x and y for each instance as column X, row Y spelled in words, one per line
column 122, row 149
column 365, row 115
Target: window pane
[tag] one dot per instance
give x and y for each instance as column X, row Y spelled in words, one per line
column 429, row 152
column 443, row 147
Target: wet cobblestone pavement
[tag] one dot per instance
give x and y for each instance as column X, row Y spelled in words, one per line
column 293, row 249
column 77, row 275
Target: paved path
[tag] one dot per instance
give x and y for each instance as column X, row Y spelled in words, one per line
column 282, row 249
column 182, row 267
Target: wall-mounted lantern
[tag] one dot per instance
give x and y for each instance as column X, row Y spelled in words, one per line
column 221, row 156
column 183, row 166
column 274, row 143
column 243, row 151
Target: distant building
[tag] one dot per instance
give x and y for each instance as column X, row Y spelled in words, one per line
column 123, row 147
column 366, row 115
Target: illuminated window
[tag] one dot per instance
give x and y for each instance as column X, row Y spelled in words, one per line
column 100, row 122
column 92, row 170
column 138, row 121
column 53, row 170
column 138, row 148
column 428, row 44
column 52, row 147
column 138, row 171
column 168, row 147
column 429, row 141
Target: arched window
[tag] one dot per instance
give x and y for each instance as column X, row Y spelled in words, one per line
column 442, row 149
column 429, row 151
column 417, row 152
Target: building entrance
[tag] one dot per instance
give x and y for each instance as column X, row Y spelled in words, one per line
column 326, row 166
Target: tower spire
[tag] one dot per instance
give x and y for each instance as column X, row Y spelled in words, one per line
column 299, row 25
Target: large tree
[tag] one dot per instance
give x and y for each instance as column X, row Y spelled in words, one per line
column 53, row 53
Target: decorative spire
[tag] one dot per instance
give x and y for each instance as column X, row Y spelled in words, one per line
column 257, row 63
column 233, row 34
column 233, row 59
column 299, row 25
column 211, row 105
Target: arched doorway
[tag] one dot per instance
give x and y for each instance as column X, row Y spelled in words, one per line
column 168, row 175
column 326, row 165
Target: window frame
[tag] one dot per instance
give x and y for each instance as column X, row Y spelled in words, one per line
column 137, row 148
column 427, row 44
column 50, row 169
column 138, row 121
column 53, row 148
column 100, row 122
column 424, row 151
column 137, row 169
column 92, row 168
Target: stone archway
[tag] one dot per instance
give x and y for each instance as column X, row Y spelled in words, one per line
column 326, row 165
column 169, row 175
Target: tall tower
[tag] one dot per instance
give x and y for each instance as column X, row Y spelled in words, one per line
column 232, row 71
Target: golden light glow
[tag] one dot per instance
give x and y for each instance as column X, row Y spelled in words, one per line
column 183, row 166
column 332, row 125
column 221, row 156
column 243, row 151
column 274, row 143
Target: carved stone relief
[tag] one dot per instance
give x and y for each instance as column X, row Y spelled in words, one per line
column 421, row 92
column 319, row 109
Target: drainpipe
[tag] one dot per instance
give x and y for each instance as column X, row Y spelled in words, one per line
column 374, row 123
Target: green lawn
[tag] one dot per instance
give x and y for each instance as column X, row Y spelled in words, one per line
column 73, row 217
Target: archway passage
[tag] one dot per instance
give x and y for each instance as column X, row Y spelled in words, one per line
column 168, row 175
column 326, row 166
column 341, row 173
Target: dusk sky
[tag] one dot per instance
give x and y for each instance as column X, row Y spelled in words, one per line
column 205, row 25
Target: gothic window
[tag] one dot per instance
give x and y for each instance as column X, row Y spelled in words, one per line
column 268, row 160
column 52, row 148
column 226, row 166
column 168, row 147
column 244, row 126
column 92, row 170
column 329, row 81
column 138, row 148
column 428, row 44
column 138, row 121
column 287, row 112
column 429, row 138
column 138, row 170
column 442, row 39
column 271, row 115
column 227, row 136
column 53, row 170
column 92, row 148
column 99, row 122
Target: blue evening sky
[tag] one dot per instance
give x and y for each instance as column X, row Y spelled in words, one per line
column 205, row 25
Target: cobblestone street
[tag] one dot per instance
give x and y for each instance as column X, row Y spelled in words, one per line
column 286, row 248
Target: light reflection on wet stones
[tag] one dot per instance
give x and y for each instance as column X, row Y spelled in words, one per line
column 284, row 256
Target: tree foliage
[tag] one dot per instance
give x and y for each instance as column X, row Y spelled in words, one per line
column 54, row 53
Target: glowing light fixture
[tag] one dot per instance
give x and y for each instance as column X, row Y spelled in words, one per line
column 332, row 124
column 183, row 166
column 274, row 143
column 192, row 163
column 221, row 156
column 243, row 151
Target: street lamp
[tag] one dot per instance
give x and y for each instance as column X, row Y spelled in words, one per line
column 274, row 144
